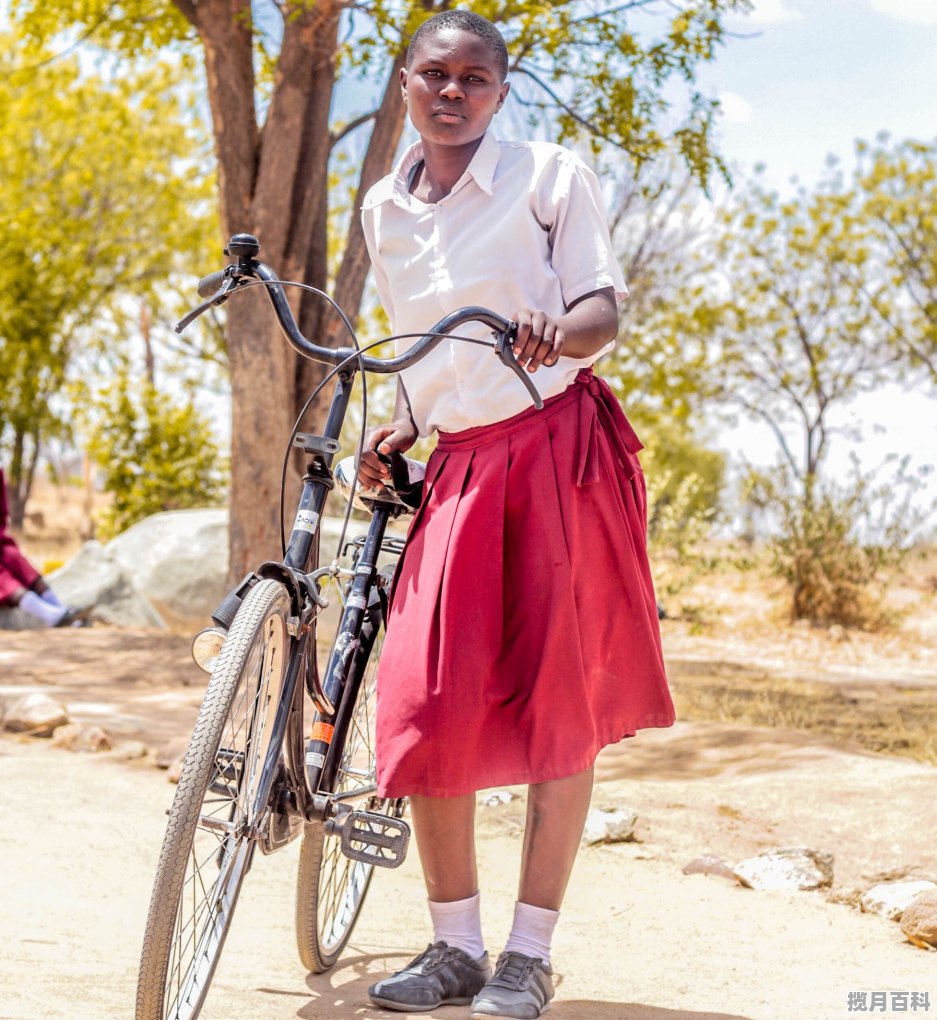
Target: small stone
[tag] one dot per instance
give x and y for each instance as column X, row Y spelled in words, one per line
column 35, row 714
column 130, row 750
column 787, row 868
column 848, row 896
column 891, row 899
column 710, row 864
column 79, row 737
column 609, row 825
column 919, row 921
column 497, row 797
column 175, row 769
column 169, row 753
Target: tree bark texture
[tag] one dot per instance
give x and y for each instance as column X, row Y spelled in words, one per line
column 274, row 183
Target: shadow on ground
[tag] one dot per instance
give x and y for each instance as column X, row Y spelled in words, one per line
column 342, row 995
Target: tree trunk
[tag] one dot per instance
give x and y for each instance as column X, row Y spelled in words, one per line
column 274, row 184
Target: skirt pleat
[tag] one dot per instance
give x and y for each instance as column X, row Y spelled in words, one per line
column 523, row 632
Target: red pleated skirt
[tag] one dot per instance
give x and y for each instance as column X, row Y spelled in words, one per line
column 523, row 632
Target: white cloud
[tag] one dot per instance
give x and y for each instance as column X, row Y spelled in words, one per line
column 773, row 11
column 916, row 12
column 735, row 109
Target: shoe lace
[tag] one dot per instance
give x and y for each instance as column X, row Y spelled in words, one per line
column 514, row 970
column 434, row 955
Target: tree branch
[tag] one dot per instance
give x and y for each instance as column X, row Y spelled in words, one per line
column 336, row 136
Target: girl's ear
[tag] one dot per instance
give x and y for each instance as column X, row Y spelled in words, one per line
column 505, row 89
column 403, row 83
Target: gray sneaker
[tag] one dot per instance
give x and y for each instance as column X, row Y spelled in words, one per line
column 440, row 976
column 521, row 989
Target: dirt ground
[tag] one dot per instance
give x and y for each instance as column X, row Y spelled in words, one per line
column 638, row 940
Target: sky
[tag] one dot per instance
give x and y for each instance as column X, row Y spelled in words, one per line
column 804, row 80
column 811, row 76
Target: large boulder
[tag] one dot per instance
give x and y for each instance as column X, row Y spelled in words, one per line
column 179, row 561
column 93, row 577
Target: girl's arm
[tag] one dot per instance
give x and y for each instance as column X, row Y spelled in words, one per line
column 400, row 434
column 586, row 327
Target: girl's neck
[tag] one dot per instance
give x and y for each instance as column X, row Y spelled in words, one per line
column 442, row 167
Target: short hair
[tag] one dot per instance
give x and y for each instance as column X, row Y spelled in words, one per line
column 467, row 21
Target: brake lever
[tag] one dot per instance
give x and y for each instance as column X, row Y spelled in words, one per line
column 505, row 351
column 218, row 298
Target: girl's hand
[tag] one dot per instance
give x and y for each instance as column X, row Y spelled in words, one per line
column 399, row 435
column 540, row 339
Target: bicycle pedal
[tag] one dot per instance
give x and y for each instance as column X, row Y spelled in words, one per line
column 372, row 838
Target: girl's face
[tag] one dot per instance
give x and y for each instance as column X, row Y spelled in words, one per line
column 452, row 87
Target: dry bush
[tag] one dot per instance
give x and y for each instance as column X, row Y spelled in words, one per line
column 838, row 547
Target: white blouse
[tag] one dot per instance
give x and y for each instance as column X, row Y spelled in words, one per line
column 524, row 227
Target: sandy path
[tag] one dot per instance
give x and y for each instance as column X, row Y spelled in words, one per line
column 79, row 836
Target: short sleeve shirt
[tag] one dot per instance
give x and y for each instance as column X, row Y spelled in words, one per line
column 524, row 227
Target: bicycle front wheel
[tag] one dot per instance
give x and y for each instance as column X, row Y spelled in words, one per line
column 331, row 888
column 210, row 838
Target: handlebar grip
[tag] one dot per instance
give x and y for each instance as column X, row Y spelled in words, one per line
column 209, row 285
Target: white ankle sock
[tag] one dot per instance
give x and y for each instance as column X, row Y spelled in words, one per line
column 49, row 596
column 459, row 924
column 532, row 931
column 34, row 605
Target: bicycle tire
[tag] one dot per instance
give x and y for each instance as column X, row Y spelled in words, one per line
column 206, row 852
column 330, row 888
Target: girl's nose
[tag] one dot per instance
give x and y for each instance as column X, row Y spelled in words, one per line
column 452, row 90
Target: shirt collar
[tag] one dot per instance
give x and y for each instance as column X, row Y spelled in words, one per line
column 481, row 169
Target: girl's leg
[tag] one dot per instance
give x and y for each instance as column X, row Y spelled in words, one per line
column 453, row 972
column 522, row 985
column 445, row 836
column 556, row 814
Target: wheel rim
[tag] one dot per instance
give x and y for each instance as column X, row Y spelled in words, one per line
column 226, row 828
column 343, row 882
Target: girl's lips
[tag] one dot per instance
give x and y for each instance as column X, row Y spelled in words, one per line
column 448, row 115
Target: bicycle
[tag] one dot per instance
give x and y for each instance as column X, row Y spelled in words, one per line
column 251, row 777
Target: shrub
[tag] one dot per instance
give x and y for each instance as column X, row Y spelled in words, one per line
column 154, row 454
column 837, row 546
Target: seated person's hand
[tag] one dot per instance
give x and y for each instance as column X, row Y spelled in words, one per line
column 396, row 436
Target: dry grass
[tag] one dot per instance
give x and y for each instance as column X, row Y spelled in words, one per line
column 733, row 656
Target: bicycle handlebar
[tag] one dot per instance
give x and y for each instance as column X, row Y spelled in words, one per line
column 217, row 288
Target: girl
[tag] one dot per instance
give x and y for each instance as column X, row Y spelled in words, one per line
column 523, row 632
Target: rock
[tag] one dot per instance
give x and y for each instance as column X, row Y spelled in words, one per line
column 79, row 737
column 169, row 753
column 13, row 618
column 787, row 868
column 175, row 769
column 710, row 864
column 609, row 825
column 496, row 797
column 178, row 560
column 130, row 750
column 848, row 896
column 919, row 920
column 92, row 577
column 35, row 714
column 891, row 899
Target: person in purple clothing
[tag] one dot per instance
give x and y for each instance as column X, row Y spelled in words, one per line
column 21, row 584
